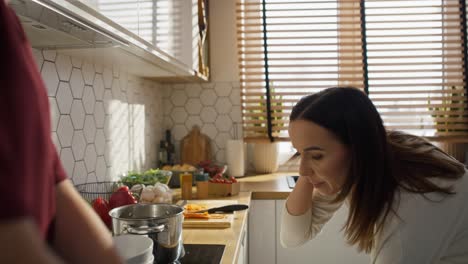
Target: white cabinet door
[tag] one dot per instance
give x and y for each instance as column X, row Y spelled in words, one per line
column 125, row 13
column 243, row 257
column 262, row 232
column 169, row 25
column 329, row 247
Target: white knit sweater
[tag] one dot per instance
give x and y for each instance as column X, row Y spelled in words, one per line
column 424, row 232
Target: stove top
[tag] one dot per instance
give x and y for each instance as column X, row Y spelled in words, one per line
column 202, row 254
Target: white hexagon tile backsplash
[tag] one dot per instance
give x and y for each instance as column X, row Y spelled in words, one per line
column 104, row 121
column 50, row 76
column 214, row 107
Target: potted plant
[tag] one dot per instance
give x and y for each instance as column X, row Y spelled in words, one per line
column 266, row 154
column 445, row 118
column 449, row 110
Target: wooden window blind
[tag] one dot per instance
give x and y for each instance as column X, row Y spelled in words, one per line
column 416, row 67
column 409, row 56
column 290, row 49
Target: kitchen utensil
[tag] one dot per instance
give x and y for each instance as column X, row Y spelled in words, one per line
column 91, row 191
column 195, row 147
column 225, row 209
column 160, row 222
column 236, row 151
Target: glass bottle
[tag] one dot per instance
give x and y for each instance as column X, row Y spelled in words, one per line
column 170, row 150
column 162, row 156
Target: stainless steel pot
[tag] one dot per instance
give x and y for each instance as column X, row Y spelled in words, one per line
column 161, row 222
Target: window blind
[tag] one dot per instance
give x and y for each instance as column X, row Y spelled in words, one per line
column 415, row 62
column 409, row 56
column 291, row 49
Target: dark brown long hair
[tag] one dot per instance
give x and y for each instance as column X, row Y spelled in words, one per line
column 381, row 162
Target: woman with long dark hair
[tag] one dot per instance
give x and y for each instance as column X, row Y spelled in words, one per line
column 406, row 197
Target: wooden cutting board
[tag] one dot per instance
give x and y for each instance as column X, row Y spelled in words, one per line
column 225, row 222
column 195, row 147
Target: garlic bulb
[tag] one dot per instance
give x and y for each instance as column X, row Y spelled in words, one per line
column 159, row 193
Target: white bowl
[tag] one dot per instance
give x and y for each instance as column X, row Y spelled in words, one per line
column 134, row 248
column 150, row 260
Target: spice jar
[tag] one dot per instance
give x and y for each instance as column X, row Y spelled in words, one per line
column 202, row 185
column 186, row 185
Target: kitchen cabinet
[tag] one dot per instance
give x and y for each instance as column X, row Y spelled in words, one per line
column 262, row 235
column 329, row 247
column 152, row 39
column 171, row 26
column 160, row 23
column 243, row 256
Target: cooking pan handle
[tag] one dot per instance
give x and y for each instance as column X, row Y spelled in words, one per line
column 145, row 230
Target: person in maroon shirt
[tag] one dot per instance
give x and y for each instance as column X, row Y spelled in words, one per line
column 43, row 219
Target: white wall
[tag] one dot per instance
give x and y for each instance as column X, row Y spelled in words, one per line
column 104, row 121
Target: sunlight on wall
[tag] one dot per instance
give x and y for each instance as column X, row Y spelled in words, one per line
column 119, row 123
column 137, row 137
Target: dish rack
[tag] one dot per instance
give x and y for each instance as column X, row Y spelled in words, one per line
column 91, row 191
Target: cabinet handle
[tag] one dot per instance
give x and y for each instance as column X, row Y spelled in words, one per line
column 243, row 238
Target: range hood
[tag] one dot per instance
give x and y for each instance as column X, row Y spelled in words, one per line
column 51, row 26
column 78, row 30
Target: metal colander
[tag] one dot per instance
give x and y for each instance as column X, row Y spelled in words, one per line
column 91, row 191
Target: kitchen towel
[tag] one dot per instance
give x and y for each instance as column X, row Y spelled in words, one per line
column 235, row 157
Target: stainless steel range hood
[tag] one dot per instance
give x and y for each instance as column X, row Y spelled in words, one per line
column 79, row 30
column 50, row 26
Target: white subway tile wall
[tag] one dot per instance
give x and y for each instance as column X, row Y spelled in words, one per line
column 104, row 121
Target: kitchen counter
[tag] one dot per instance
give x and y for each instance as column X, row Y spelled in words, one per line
column 257, row 187
column 230, row 237
column 267, row 186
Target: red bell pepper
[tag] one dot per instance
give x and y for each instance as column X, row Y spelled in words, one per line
column 101, row 207
column 121, row 197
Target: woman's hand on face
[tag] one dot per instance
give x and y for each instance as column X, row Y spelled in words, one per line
column 304, row 183
column 299, row 201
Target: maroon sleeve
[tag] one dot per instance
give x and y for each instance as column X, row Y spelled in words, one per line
column 60, row 173
column 29, row 164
